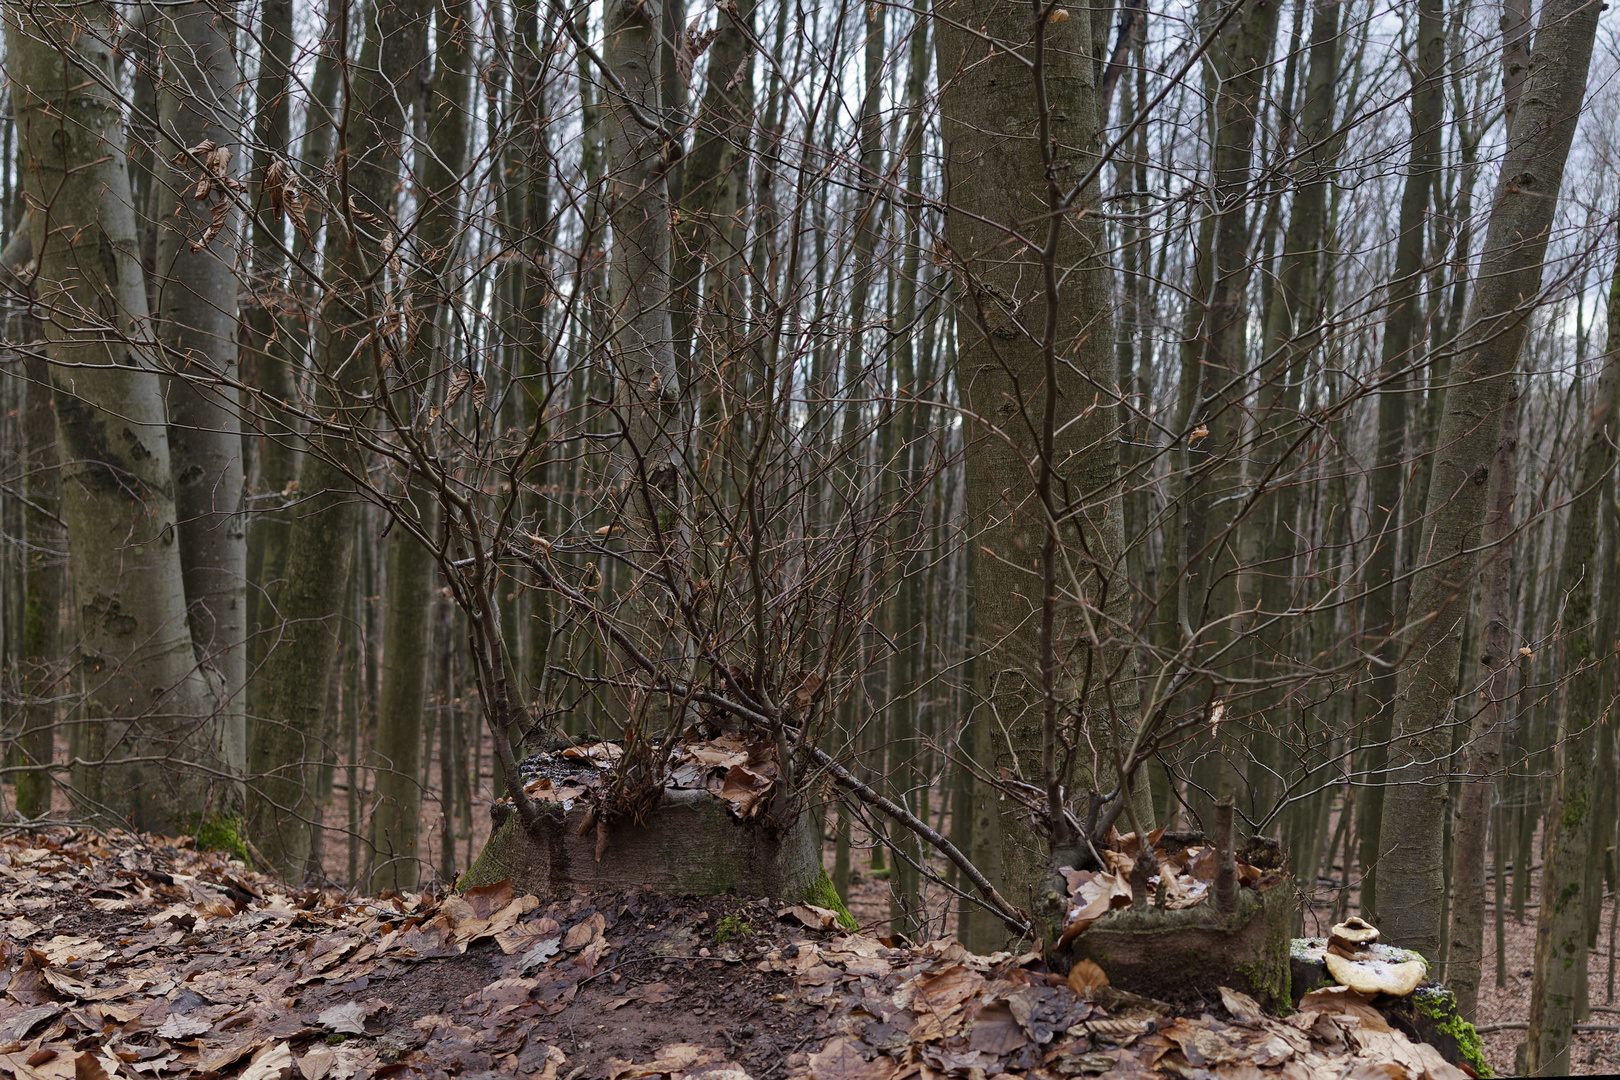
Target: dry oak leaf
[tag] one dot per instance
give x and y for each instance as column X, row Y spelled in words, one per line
column 1242, row 1007
column 524, row 936
column 1201, row 1046
column 273, row 1062
column 460, row 379
column 996, row 1030
column 841, row 1059
column 184, row 1026
column 48, row 1064
column 89, row 1067
column 945, row 991
column 348, row 1018
column 671, row 1061
column 581, row 934
column 1343, row 1001
column 315, row 1064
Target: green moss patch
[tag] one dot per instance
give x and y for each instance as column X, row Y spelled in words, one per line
column 822, row 893
column 1438, row 1007
column 219, row 832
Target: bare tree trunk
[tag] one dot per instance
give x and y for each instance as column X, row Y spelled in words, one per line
column 1401, row 344
column 320, row 542
column 147, row 704
column 269, row 348
column 1507, row 291
column 1029, row 415
column 1485, row 737
column 46, row 582
column 1566, row 893
column 648, row 388
column 196, row 324
column 402, row 698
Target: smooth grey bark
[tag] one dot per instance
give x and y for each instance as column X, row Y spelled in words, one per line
column 1239, row 62
column 712, row 251
column 1017, row 311
column 1467, row 937
column 1466, row 952
column 196, row 319
column 42, row 672
column 291, row 702
column 1505, row 296
column 268, row 351
column 1567, row 846
column 648, row 386
column 1401, row 344
column 149, row 709
column 402, row 697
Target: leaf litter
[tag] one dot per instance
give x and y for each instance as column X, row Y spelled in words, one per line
column 139, row 957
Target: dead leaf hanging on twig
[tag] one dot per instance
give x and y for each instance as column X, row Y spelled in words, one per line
column 460, row 379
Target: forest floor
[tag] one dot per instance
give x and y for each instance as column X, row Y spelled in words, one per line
column 1597, row 1053
column 133, row 956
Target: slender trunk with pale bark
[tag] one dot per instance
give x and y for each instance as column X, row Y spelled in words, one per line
column 155, row 746
column 196, row 319
column 648, row 392
column 1567, row 849
column 401, row 706
column 1411, row 865
column 1401, row 343
column 1030, row 417
column 288, row 737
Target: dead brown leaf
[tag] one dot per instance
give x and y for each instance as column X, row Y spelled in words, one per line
column 842, row 1059
column 1086, row 977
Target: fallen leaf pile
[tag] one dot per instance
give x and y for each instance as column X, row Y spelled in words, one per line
column 139, row 957
column 1183, row 878
column 128, row 957
column 939, row 1011
column 740, row 774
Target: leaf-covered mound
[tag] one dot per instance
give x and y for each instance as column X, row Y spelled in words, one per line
column 132, row 956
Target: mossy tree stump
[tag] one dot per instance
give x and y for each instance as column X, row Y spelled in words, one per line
column 689, row 844
column 1179, row 956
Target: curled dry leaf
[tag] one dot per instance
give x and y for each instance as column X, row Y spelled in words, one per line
column 460, row 379
column 816, row 918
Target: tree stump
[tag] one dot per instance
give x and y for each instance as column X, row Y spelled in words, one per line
column 689, row 844
column 1177, row 956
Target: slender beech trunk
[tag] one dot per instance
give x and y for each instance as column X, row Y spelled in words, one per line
column 406, row 657
column 268, row 349
column 46, row 582
column 1507, row 291
column 196, row 318
column 712, row 255
column 1401, row 343
column 1485, row 737
column 649, row 387
column 1239, row 61
column 1293, row 335
column 1567, row 850
column 907, row 780
column 320, row 540
column 1016, row 313
column 1480, row 791
column 147, row 706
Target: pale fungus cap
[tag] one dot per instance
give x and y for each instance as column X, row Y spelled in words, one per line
column 1378, row 972
column 1353, row 932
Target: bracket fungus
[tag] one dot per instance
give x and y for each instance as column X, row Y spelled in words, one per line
column 1356, row 959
